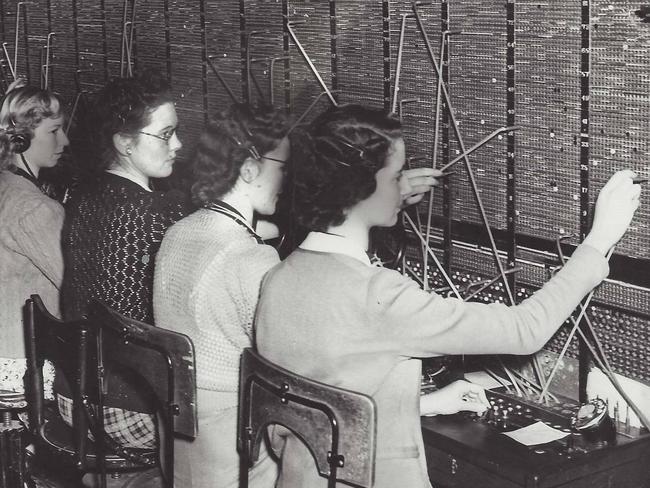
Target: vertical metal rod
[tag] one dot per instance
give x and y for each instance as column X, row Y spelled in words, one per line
column 461, row 143
column 248, row 64
column 123, row 46
column 436, row 131
column 18, row 5
column 311, row 64
column 398, row 67
column 401, row 106
column 583, row 310
column 435, row 258
column 73, row 112
column 131, row 31
column 253, row 78
column 307, row 110
column 48, row 47
column 231, row 94
column 272, row 76
column 11, row 66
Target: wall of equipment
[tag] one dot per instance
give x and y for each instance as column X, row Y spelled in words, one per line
column 532, row 105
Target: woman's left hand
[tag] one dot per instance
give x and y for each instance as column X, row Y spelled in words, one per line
column 456, row 397
column 420, row 181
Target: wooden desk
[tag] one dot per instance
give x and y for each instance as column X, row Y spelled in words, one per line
column 462, row 452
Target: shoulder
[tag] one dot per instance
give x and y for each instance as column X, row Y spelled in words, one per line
column 21, row 198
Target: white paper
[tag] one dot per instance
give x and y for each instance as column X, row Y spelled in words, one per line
column 537, row 433
column 485, row 380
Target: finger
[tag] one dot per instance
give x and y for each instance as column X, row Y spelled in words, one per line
column 422, row 188
column 423, row 181
column 474, row 406
column 418, row 172
column 413, row 199
column 620, row 177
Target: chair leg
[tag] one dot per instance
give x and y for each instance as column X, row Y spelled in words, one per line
column 243, row 471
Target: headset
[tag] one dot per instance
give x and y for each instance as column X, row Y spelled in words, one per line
column 20, row 141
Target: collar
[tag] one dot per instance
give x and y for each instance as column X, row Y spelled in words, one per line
column 129, row 176
column 234, row 214
column 323, row 242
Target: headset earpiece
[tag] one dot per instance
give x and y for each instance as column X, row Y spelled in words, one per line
column 19, row 142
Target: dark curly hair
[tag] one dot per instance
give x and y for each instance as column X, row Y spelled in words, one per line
column 337, row 159
column 23, row 108
column 123, row 106
column 230, row 137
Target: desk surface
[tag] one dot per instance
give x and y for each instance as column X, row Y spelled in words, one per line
column 462, row 449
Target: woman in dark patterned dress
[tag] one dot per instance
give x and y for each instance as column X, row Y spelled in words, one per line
column 114, row 224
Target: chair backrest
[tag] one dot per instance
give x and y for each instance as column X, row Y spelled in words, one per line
column 163, row 359
column 338, row 426
column 70, row 347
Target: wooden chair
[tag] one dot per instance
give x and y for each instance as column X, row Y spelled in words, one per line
column 164, row 360
column 72, row 348
column 338, row 426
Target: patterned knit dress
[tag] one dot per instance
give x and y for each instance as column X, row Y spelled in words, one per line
column 112, row 231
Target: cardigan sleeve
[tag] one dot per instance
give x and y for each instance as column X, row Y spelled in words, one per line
column 418, row 324
column 38, row 237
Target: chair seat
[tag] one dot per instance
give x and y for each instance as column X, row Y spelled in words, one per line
column 58, row 438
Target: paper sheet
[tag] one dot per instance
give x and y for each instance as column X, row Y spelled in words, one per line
column 485, row 380
column 537, row 433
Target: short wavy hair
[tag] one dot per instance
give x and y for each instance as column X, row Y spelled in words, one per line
column 122, row 106
column 338, row 156
column 228, row 139
column 23, row 109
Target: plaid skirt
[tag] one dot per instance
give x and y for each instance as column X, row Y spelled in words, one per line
column 135, row 430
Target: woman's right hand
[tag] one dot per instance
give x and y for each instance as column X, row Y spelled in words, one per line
column 615, row 207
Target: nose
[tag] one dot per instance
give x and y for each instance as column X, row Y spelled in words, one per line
column 63, row 139
column 175, row 143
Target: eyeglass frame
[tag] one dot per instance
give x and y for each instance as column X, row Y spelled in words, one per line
column 162, row 138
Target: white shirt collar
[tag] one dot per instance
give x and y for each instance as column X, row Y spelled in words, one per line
column 322, row 242
column 125, row 174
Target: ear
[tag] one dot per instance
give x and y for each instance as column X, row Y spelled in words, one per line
column 249, row 170
column 122, row 144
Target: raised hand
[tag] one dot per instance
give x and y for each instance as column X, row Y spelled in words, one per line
column 615, row 207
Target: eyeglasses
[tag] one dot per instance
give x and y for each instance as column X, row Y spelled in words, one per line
column 281, row 161
column 165, row 137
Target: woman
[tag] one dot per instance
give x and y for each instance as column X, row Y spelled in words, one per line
column 31, row 138
column 359, row 327
column 208, row 275
column 114, row 224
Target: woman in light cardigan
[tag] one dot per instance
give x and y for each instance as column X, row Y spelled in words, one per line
column 327, row 314
column 31, row 138
column 207, row 279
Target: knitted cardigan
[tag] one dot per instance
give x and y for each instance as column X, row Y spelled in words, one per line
column 112, row 231
column 30, row 256
column 332, row 318
column 208, row 275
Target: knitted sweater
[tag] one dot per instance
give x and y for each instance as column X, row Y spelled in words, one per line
column 332, row 318
column 30, row 256
column 112, row 231
column 208, row 275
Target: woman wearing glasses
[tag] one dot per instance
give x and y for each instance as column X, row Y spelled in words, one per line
column 208, row 276
column 114, row 224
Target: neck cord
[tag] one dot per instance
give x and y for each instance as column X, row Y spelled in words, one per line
column 231, row 212
column 28, row 175
column 29, row 170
